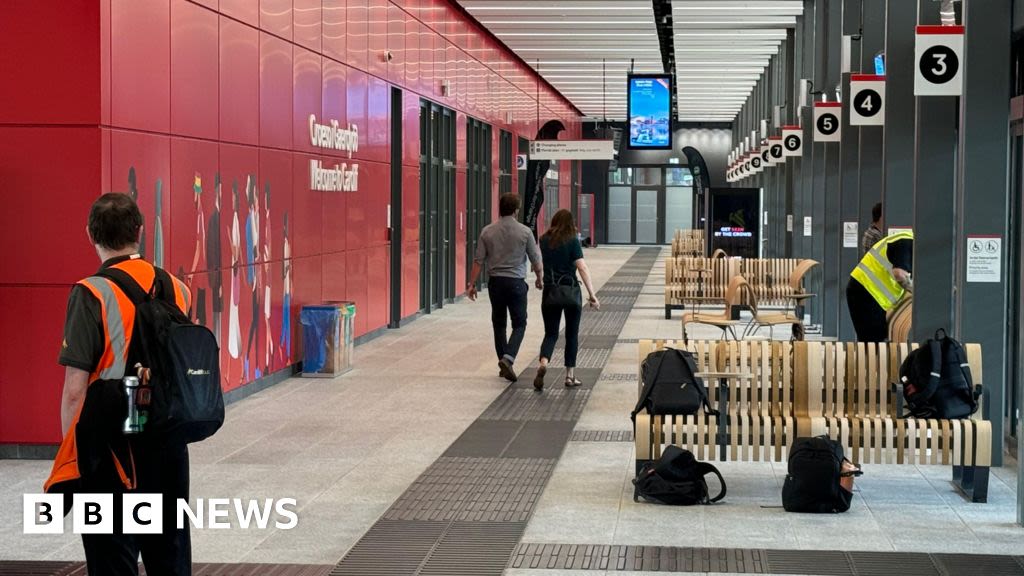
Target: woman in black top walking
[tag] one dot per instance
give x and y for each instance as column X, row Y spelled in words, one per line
column 562, row 256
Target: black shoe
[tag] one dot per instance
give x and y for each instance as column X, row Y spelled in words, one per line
column 506, row 371
column 538, row 381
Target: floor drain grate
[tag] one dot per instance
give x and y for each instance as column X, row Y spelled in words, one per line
column 474, row 548
column 391, row 548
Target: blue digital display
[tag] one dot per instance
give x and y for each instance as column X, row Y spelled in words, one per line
column 880, row 64
column 650, row 111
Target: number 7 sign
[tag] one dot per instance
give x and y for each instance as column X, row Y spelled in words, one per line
column 938, row 69
column 867, row 100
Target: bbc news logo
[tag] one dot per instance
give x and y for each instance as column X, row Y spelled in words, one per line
column 144, row 514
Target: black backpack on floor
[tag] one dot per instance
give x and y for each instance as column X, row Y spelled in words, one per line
column 937, row 380
column 671, row 385
column 813, row 482
column 677, row 478
column 186, row 401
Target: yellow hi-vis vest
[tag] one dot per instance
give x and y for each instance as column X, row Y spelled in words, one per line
column 875, row 272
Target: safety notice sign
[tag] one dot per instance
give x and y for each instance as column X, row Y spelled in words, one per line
column 807, row 225
column 984, row 258
column 789, row 222
column 849, row 234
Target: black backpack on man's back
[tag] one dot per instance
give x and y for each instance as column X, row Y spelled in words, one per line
column 671, row 385
column 937, row 380
column 186, row 401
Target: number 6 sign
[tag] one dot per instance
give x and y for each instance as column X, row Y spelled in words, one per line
column 826, row 121
column 938, row 52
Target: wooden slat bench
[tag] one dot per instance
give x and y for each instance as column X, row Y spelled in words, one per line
column 777, row 282
column 811, row 388
column 688, row 243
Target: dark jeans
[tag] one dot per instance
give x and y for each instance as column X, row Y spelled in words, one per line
column 508, row 296
column 552, row 317
column 868, row 317
column 160, row 470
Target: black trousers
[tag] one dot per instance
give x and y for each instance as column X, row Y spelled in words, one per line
column 161, row 470
column 508, row 299
column 868, row 317
column 552, row 318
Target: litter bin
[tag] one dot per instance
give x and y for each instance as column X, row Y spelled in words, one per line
column 327, row 339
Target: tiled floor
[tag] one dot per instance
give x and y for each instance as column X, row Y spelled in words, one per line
column 348, row 448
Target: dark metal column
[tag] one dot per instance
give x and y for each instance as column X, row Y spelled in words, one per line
column 898, row 148
column 849, row 185
column 830, row 236
column 791, row 177
column 871, row 137
column 935, row 244
column 984, row 201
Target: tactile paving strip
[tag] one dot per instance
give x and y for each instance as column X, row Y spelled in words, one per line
column 598, row 341
column 602, row 436
column 637, row 558
column 474, row 548
column 585, row 357
column 753, row 561
column 474, row 489
column 607, row 323
column 619, row 377
column 617, row 300
column 526, row 404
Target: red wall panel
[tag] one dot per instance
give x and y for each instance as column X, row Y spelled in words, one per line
column 396, row 45
column 356, row 40
column 356, row 106
column 377, row 37
column 141, row 164
column 308, row 23
column 192, row 162
column 276, row 74
column 377, row 290
column 140, row 36
column 30, row 409
column 195, row 92
column 356, row 286
column 310, row 211
column 377, row 127
column 335, row 27
column 71, row 34
column 239, row 82
column 308, row 82
column 276, row 17
column 245, row 10
column 56, row 200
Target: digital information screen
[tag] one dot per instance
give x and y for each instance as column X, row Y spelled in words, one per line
column 649, row 97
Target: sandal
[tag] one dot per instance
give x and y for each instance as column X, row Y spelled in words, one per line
column 572, row 382
column 538, row 381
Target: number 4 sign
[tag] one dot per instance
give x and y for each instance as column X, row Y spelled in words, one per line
column 938, row 54
column 867, row 100
column 826, row 121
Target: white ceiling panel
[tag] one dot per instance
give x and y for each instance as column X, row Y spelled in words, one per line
column 585, row 48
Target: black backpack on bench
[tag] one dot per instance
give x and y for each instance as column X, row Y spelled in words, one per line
column 937, row 380
column 677, row 479
column 671, row 385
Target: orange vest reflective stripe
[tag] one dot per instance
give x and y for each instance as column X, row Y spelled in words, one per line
column 117, row 314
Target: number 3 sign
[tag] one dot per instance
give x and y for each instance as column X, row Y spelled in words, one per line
column 826, row 121
column 939, row 67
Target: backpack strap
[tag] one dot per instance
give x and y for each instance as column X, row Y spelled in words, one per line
column 935, row 348
column 703, row 468
column 163, row 286
column 688, row 358
column 648, row 386
column 965, row 370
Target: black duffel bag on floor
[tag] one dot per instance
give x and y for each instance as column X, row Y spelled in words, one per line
column 677, row 478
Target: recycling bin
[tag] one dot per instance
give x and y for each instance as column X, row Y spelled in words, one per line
column 327, row 331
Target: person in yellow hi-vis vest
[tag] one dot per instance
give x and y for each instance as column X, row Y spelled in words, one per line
column 878, row 283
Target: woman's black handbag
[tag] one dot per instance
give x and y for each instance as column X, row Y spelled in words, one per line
column 563, row 293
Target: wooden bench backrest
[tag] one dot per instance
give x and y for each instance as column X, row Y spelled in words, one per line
column 806, row 379
column 854, row 379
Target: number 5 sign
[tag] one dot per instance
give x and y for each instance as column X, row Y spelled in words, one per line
column 826, row 121
column 939, row 67
column 867, row 100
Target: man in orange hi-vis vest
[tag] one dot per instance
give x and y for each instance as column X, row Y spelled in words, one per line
column 94, row 457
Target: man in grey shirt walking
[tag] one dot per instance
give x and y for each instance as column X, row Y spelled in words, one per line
column 504, row 247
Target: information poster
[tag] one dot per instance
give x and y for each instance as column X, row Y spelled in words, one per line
column 807, row 225
column 984, row 258
column 849, row 234
column 650, row 112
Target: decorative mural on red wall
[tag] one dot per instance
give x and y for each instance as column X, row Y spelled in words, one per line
column 202, row 110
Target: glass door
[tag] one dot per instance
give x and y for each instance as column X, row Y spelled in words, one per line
column 646, row 216
column 620, row 214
